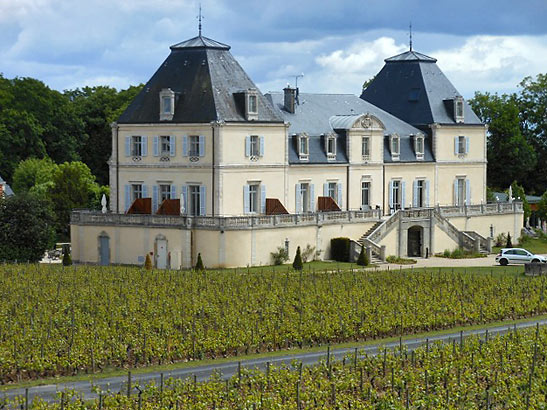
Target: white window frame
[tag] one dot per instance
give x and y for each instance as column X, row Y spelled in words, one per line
column 165, row 145
column 193, row 145
column 194, row 199
column 459, row 114
column 365, row 147
column 254, row 145
column 167, row 104
column 419, row 146
column 136, row 192
column 251, row 104
column 395, row 154
column 365, row 187
column 330, row 146
column 397, row 190
column 137, row 146
column 303, row 139
column 462, row 145
column 164, row 192
column 254, row 198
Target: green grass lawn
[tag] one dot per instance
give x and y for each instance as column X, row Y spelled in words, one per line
column 538, row 246
column 309, row 266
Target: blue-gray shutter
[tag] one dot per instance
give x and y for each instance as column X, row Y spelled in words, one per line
column 127, row 197
column 415, row 194
column 467, row 192
column 456, row 150
column 467, row 145
column 261, row 146
column 202, row 200
column 263, row 199
column 246, row 204
column 145, row 191
column 312, row 198
column 339, row 196
column 127, row 146
column 173, row 192
column 201, row 146
column 427, row 193
column 185, row 145
column 403, row 194
column 185, row 198
column 154, row 199
column 247, row 146
column 456, row 192
column 326, row 189
column 390, row 194
column 298, row 199
column 173, row 146
column 156, row 145
column 144, row 146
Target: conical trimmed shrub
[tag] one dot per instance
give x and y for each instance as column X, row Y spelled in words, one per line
column 362, row 260
column 148, row 262
column 297, row 263
column 199, row 264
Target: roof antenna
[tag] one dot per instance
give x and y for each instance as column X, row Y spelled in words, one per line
column 410, row 35
column 199, row 17
column 296, row 77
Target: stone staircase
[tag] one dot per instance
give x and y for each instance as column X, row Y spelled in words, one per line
column 372, row 229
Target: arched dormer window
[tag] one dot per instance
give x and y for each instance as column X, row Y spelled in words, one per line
column 167, row 104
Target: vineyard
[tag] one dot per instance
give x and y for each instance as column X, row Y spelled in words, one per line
column 56, row 321
column 505, row 372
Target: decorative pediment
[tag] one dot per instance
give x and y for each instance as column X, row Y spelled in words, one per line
column 368, row 121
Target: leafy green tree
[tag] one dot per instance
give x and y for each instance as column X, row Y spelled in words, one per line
column 26, row 228
column 32, row 172
column 542, row 207
column 74, row 186
column 520, row 195
column 98, row 107
column 532, row 102
column 510, row 156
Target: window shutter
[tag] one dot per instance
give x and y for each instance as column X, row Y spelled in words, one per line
column 456, row 151
column 156, row 146
column 127, row 146
column 185, row 145
column 185, row 198
column 467, row 145
column 467, row 192
column 154, row 198
column 201, row 146
column 456, row 192
column 298, row 199
column 427, row 193
column 173, row 192
column 247, row 146
column 263, row 199
column 326, row 189
column 127, row 197
column 312, row 198
column 202, row 200
column 144, row 146
column 246, row 205
column 261, row 146
column 390, row 194
column 403, row 194
column 145, row 191
column 173, row 146
column 339, row 195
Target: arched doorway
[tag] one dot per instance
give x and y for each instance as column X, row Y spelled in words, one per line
column 415, row 241
column 104, row 249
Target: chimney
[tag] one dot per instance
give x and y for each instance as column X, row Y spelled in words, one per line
column 290, row 99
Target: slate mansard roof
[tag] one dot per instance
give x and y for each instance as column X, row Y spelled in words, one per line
column 413, row 88
column 7, row 189
column 321, row 114
column 205, row 78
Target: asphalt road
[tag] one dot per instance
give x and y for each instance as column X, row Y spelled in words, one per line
column 228, row 369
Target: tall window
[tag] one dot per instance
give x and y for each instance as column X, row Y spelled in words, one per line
column 253, row 108
column 331, row 147
column 165, row 192
column 255, row 146
column 305, row 197
column 194, row 200
column 136, row 191
column 396, row 194
column 303, row 147
column 194, row 146
column 458, row 109
column 136, row 146
column 419, row 146
column 253, row 198
column 395, row 149
column 166, row 103
column 365, row 195
column 165, row 145
column 333, row 190
column 461, row 145
column 460, row 191
column 365, row 148
column 420, row 193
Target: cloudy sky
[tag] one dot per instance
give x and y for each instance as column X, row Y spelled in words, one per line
column 486, row 45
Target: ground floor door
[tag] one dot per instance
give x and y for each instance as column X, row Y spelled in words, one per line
column 104, row 250
column 161, row 255
column 415, row 241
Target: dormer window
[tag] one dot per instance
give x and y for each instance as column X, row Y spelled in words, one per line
column 419, row 146
column 330, row 146
column 303, row 147
column 394, row 145
column 458, row 109
column 251, row 104
column 167, row 104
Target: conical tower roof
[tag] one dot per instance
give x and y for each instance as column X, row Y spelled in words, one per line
column 207, row 82
column 412, row 87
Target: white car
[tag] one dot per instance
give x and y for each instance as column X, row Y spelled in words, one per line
column 518, row 255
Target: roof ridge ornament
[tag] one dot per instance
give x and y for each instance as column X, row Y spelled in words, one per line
column 410, row 35
column 199, row 17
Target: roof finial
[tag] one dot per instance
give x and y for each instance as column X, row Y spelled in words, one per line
column 199, row 19
column 410, row 35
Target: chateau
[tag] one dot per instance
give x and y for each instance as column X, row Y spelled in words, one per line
column 203, row 162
